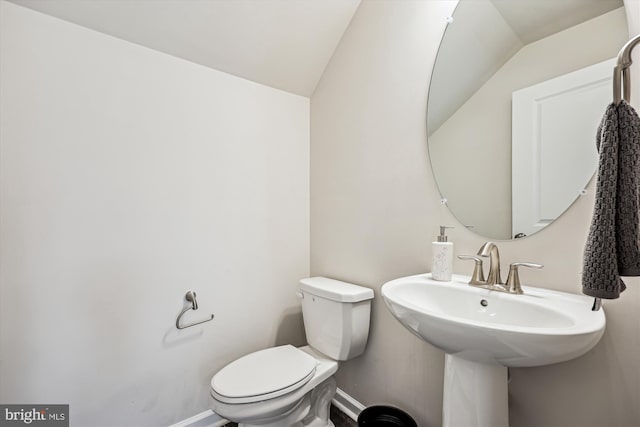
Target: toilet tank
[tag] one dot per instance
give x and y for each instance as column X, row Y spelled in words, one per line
column 336, row 316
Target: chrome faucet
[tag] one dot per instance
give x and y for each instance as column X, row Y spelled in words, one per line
column 494, row 281
column 489, row 249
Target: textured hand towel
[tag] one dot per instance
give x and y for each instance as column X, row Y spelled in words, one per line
column 613, row 243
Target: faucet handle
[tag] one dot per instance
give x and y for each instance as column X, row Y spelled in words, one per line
column 478, row 274
column 513, row 279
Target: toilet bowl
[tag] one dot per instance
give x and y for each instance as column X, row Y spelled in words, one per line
column 287, row 386
column 285, row 405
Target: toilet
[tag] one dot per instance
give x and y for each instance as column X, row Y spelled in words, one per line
column 287, row 386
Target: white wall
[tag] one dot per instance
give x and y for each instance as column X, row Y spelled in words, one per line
column 374, row 205
column 128, row 177
column 375, row 211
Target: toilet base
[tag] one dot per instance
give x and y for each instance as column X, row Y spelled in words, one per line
column 321, row 398
column 312, row 410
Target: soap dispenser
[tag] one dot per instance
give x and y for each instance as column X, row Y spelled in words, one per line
column 442, row 261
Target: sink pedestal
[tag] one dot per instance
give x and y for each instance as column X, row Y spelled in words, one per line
column 475, row 394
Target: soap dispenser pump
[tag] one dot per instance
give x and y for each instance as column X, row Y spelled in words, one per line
column 442, row 261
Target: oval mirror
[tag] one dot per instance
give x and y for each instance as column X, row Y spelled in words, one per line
column 517, row 92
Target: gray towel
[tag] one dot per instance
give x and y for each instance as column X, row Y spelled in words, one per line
column 613, row 244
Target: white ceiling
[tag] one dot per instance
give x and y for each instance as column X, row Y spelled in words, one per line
column 533, row 21
column 284, row 44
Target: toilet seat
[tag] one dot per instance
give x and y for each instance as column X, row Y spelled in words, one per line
column 263, row 375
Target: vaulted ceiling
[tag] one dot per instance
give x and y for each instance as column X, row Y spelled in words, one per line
column 284, row 44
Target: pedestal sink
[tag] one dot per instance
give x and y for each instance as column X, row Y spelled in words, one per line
column 483, row 332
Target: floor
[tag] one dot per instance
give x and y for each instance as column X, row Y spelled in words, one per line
column 339, row 418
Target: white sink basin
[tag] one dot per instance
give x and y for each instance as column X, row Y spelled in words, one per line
column 484, row 331
column 539, row 327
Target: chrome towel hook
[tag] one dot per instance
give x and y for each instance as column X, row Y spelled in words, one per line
column 621, row 72
column 190, row 297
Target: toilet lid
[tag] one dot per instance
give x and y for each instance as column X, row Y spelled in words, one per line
column 263, row 375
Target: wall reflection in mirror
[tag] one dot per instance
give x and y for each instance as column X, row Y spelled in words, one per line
column 517, row 92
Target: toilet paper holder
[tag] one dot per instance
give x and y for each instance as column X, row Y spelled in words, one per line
column 190, row 297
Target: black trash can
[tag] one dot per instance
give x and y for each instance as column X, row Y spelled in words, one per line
column 385, row 416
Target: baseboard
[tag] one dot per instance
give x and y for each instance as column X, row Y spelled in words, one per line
column 347, row 404
column 207, row 418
